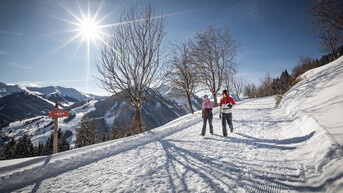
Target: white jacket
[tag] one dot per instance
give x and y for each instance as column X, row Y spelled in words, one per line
column 225, row 109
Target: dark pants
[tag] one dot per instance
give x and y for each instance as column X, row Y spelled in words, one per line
column 208, row 117
column 226, row 118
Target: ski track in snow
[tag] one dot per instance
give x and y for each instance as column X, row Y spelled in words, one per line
column 175, row 158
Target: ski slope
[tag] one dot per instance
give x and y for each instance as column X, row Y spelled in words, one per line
column 272, row 149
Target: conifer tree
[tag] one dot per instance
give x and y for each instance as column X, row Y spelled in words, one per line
column 48, row 148
column 24, row 148
column 9, row 149
column 63, row 144
column 93, row 131
column 116, row 131
column 87, row 134
column 104, row 138
column 285, row 81
column 40, row 149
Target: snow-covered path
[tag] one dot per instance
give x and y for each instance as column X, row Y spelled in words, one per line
column 268, row 152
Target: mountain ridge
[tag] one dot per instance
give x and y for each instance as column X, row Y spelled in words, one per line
column 157, row 112
column 53, row 93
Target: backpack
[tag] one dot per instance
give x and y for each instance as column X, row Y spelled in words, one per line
column 229, row 105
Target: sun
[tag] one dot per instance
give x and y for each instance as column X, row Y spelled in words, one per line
column 89, row 29
column 87, row 25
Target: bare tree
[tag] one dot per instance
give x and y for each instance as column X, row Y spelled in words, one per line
column 265, row 86
column 214, row 52
column 130, row 58
column 228, row 76
column 331, row 40
column 250, row 90
column 304, row 64
column 181, row 72
column 238, row 85
column 327, row 20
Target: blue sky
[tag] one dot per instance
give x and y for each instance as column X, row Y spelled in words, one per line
column 34, row 36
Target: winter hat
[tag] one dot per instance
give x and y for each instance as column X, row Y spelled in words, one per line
column 226, row 92
column 206, row 96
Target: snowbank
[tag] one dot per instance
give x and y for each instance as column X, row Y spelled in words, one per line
column 316, row 106
column 320, row 96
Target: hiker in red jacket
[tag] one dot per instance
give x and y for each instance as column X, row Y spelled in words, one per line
column 225, row 113
column 207, row 107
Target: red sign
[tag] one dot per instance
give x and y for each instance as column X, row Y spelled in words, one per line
column 58, row 113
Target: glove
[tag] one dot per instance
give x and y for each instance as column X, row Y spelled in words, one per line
column 220, row 115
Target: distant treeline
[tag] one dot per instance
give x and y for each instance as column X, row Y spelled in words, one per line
column 280, row 85
column 23, row 146
column 86, row 134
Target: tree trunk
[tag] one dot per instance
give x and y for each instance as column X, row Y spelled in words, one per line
column 139, row 120
column 215, row 99
column 238, row 97
column 190, row 103
column 55, row 131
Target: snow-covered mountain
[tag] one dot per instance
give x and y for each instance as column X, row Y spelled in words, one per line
column 96, row 97
column 272, row 149
column 177, row 96
column 159, row 111
column 64, row 96
column 38, row 126
column 19, row 103
column 22, row 105
column 60, row 94
column 7, row 89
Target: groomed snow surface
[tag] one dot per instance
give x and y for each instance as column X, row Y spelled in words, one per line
column 285, row 149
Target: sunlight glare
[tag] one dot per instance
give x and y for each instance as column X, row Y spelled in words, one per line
column 88, row 26
column 89, row 29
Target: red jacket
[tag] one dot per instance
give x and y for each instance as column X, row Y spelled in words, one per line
column 226, row 101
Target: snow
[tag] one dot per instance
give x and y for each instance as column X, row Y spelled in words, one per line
column 7, row 89
column 173, row 94
column 320, row 95
column 33, row 93
column 41, row 127
column 75, row 123
column 272, row 149
column 60, row 91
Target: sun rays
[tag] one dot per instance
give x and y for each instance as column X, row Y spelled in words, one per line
column 87, row 27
